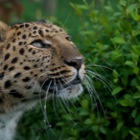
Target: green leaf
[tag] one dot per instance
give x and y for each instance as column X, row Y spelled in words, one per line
column 136, row 70
column 131, row 7
column 85, row 104
column 119, row 125
column 116, row 90
column 114, row 114
column 134, row 113
column 88, row 122
column 136, row 33
column 60, row 124
column 136, row 95
column 118, row 40
column 128, row 97
column 135, row 15
column 82, row 7
column 123, row 2
column 84, row 113
column 103, row 130
column 79, row 8
column 127, row 101
column 136, row 48
column 129, row 63
column 138, row 87
column 137, row 119
column 115, row 73
column 135, row 57
column 123, row 103
column 136, row 137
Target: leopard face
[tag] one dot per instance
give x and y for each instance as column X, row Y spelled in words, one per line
column 38, row 60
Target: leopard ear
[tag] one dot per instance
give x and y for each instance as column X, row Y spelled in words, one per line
column 3, row 28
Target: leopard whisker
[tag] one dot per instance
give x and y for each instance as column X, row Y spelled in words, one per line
column 101, row 78
column 44, row 107
column 64, row 105
column 55, row 90
column 91, row 71
column 63, row 78
column 100, row 66
column 89, row 86
column 92, row 91
column 62, row 101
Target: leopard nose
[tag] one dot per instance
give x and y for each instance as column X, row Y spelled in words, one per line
column 75, row 62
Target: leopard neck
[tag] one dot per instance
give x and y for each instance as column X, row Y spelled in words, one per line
column 8, row 124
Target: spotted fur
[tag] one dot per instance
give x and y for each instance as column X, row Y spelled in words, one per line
column 37, row 59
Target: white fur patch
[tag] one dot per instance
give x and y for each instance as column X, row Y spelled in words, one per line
column 8, row 125
column 71, row 92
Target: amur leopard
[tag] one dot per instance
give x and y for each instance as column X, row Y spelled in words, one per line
column 37, row 60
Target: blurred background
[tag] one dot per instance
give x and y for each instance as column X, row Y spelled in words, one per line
column 107, row 32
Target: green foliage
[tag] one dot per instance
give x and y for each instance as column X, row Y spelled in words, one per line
column 109, row 35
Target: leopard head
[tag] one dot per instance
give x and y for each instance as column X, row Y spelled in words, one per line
column 38, row 59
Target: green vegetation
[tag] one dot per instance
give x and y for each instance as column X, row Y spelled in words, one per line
column 108, row 34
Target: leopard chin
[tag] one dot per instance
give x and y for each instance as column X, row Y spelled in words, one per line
column 66, row 91
column 70, row 92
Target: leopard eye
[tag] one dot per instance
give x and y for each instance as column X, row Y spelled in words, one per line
column 40, row 44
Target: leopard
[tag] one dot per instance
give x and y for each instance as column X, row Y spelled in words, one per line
column 38, row 60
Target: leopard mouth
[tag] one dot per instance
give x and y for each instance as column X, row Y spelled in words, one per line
column 55, row 87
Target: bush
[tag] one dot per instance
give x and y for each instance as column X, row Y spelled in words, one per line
column 109, row 35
